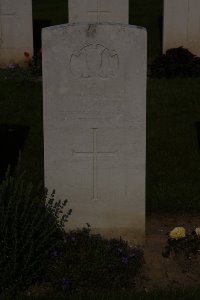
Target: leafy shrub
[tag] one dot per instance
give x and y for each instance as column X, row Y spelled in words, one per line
column 177, row 62
column 30, row 229
column 88, row 262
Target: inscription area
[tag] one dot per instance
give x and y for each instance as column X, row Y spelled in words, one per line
column 94, row 61
column 99, row 13
column 94, row 155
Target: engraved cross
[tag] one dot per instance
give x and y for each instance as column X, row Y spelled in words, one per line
column 94, row 155
column 98, row 12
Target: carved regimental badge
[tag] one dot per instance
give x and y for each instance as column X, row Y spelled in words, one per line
column 94, row 61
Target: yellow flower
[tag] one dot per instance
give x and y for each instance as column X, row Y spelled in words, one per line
column 197, row 231
column 177, row 233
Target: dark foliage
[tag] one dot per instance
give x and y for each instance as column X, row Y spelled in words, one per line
column 89, row 261
column 177, row 62
column 30, row 228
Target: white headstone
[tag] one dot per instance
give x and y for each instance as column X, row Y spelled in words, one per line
column 94, row 88
column 16, row 32
column 114, row 11
column 182, row 25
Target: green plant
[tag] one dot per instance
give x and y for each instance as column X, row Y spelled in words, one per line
column 89, row 262
column 30, row 229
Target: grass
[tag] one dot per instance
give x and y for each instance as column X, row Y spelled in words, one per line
column 173, row 154
column 165, row 294
column 21, row 104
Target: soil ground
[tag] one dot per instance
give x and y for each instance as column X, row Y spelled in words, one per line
column 160, row 272
column 170, row 272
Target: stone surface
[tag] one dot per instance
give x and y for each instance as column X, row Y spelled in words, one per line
column 94, row 85
column 182, row 25
column 16, row 32
column 114, row 11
